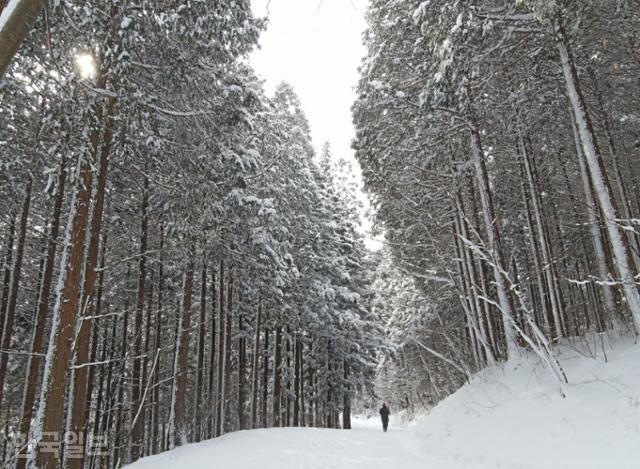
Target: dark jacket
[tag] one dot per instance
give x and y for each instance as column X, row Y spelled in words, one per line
column 384, row 413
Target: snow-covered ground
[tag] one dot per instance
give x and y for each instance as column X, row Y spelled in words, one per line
column 509, row 417
column 514, row 417
column 366, row 446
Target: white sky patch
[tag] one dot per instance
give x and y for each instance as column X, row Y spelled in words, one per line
column 316, row 46
column 86, row 65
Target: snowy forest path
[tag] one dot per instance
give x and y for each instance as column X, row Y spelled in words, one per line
column 365, row 446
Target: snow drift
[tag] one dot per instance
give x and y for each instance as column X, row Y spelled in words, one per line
column 512, row 415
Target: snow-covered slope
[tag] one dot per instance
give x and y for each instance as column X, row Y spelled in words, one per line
column 513, row 416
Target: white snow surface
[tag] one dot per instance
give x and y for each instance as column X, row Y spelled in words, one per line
column 511, row 416
column 365, row 446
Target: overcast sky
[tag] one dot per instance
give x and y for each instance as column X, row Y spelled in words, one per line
column 316, row 45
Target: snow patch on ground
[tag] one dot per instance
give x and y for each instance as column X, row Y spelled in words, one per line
column 512, row 416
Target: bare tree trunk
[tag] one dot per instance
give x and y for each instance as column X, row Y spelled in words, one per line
column 556, row 307
column 120, row 414
column 227, row 355
column 297, row 381
column 17, row 18
column 277, row 377
column 16, row 272
column 197, row 424
column 137, row 432
column 221, row 355
column 242, row 370
column 495, row 243
column 287, row 396
column 212, row 360
column 255, row 370
column 95, row 337
column 592, row 153
column 155, row 434
column 596, row 233
column 31, row 381
column 346, row 400
column 265, row 380
column 181, row 424
column 79, row 397
column 8, row 261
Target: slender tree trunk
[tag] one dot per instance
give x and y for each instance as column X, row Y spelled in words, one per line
column 33, row 368
column 197, row 424
column 146, row 380
column 158, row 343
column 287, row 396
column 8, row 261
column 346, row 400
column 495, row 243
column 137, row 432
column 227, row 355
column 50, row 412
column 596, row 233
column 255, row 370
column 265, row 380
column 16, row 272
column 82, row 340
column 591, row 150
column 277, row 377
column 242, row 370
column 212, row 360
column 221, row 355
column 181, row 424
column 95, row 337
column 120, row 416
column 556, row 307
column 297, row 380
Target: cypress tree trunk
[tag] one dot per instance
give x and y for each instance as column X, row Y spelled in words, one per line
column 50, row 412
column 17, row 24
column 11, row 233
column 197, row 424
column 619, row 242
column 255, row 370
column 33, row 368
column 265, row 380
column 227, row 356
column 16, row 272
column 155, row 425
column 137, row 432
column 120, row 416
column 287, row 396
column 221, row 355
column 277, row 377
column 211, row 421
column 242, row 370
column 79, row 396
column 346, row 401
column 545, row 249
column 96, row 338
column 297, row 355
column 181, row 425
column 495, row 243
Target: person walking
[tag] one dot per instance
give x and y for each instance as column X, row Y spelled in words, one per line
column 384, row 414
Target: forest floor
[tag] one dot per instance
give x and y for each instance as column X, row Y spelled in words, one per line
column 510, row 416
